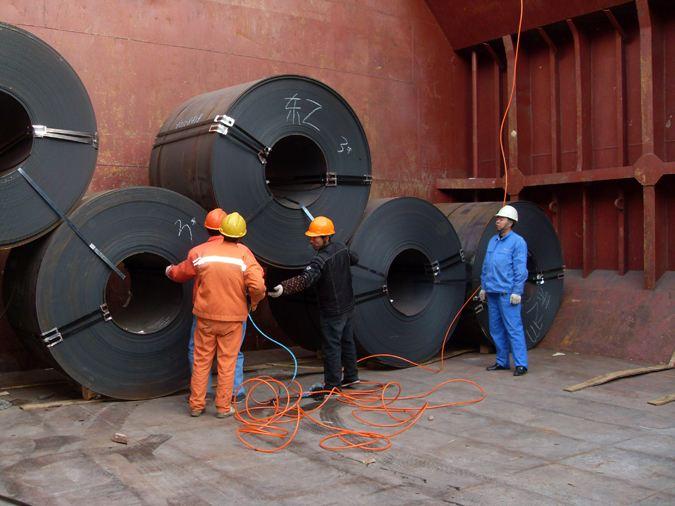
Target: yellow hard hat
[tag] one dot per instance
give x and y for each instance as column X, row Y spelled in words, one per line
column 234, row 225
column 320, row 226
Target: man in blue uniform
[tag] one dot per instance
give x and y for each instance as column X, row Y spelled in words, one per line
column 503, row 283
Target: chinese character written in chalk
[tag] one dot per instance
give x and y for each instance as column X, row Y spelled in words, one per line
column 296, row 115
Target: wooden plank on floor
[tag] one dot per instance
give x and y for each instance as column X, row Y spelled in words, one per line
column 55, row 404
column 627, row 373
column 662, row 400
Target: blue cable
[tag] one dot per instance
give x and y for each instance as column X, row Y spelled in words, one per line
column 295, row 360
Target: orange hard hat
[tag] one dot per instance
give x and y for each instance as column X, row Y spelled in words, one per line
column 320, row 226
column 214, row 219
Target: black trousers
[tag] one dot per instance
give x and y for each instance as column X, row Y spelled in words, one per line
column 339, row 350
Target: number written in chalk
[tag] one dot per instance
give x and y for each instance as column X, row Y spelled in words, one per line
column 185, row 226
column 344, row 146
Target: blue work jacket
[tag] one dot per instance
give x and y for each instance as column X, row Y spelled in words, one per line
column 505, row 265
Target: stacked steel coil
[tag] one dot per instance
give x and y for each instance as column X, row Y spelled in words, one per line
column 121, row 337
column 48, row 129
column 474, row 223
column 91, row 297
column 276, row 150
column 280, row 150
column 409, row 284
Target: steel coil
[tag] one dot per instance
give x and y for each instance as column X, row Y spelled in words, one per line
column 126, row 339
column 267, row 149
column 48, row 128
column 474, row 222
column 409, row 283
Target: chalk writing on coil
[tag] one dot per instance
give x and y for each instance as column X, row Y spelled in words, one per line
column 296, row 114
column 189, row 121
column 344, row 146
column 542, row 301
column 184, row 226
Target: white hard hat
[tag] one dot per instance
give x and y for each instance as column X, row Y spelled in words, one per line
column 508, row 212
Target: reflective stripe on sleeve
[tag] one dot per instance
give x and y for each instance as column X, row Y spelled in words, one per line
column 222, row 260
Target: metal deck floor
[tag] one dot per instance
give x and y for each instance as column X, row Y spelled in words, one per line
column 527, row 443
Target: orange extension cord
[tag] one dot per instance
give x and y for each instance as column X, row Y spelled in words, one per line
column 508, row 105
column 279, row 419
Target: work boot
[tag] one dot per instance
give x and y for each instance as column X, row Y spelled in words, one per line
column 318, row 391
column 239, row 397
column 225, row 414
column 196, row 412
column 520, row 370
column 497, row 367
column 350, row 383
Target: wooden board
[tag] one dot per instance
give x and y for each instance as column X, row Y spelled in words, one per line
column 605, row 378
column 662, row 400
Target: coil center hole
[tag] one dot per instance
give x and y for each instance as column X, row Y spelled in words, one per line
column 410, row 282
column 16, row 133
column 295, row 171
column 146, row 301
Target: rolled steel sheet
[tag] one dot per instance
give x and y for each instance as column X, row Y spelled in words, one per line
column 409, row 283
column 474, row 223
column 38, row 88
column 141, row 351
column 319, row 159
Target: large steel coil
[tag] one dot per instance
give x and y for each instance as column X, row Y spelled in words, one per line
column 125, row 338
column 409, row 283
column 474, row 222
column 267, row 149
column 48, row 128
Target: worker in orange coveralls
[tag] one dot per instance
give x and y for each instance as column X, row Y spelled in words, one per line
column 224, row 271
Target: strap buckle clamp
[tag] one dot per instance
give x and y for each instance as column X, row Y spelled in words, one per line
column 435, row 268
column 52, row 337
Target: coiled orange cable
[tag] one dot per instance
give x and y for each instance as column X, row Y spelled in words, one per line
column 279, row 415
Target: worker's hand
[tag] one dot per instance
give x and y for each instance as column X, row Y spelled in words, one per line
column 276, row 292
column 481, row 295
column 166, row 271
column 514, row 299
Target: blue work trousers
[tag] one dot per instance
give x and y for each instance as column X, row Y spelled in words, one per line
column 506, row 329
column 239, row 368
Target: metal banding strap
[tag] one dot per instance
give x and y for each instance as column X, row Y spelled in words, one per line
column 15, row 140
column 303, row 208
column 72, row 226
column 540, row 278
column 58, row 334
column 190, row 132
column 307, row 213
column 372, row 271
column 328, row 179
column 40, row 131
column 372, row 294
column 222, row 124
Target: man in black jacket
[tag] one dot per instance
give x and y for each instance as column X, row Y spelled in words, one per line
column 329, row 271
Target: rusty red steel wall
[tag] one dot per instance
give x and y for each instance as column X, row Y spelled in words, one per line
column 593, row 111
column 590, row 134
column 139, row 59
